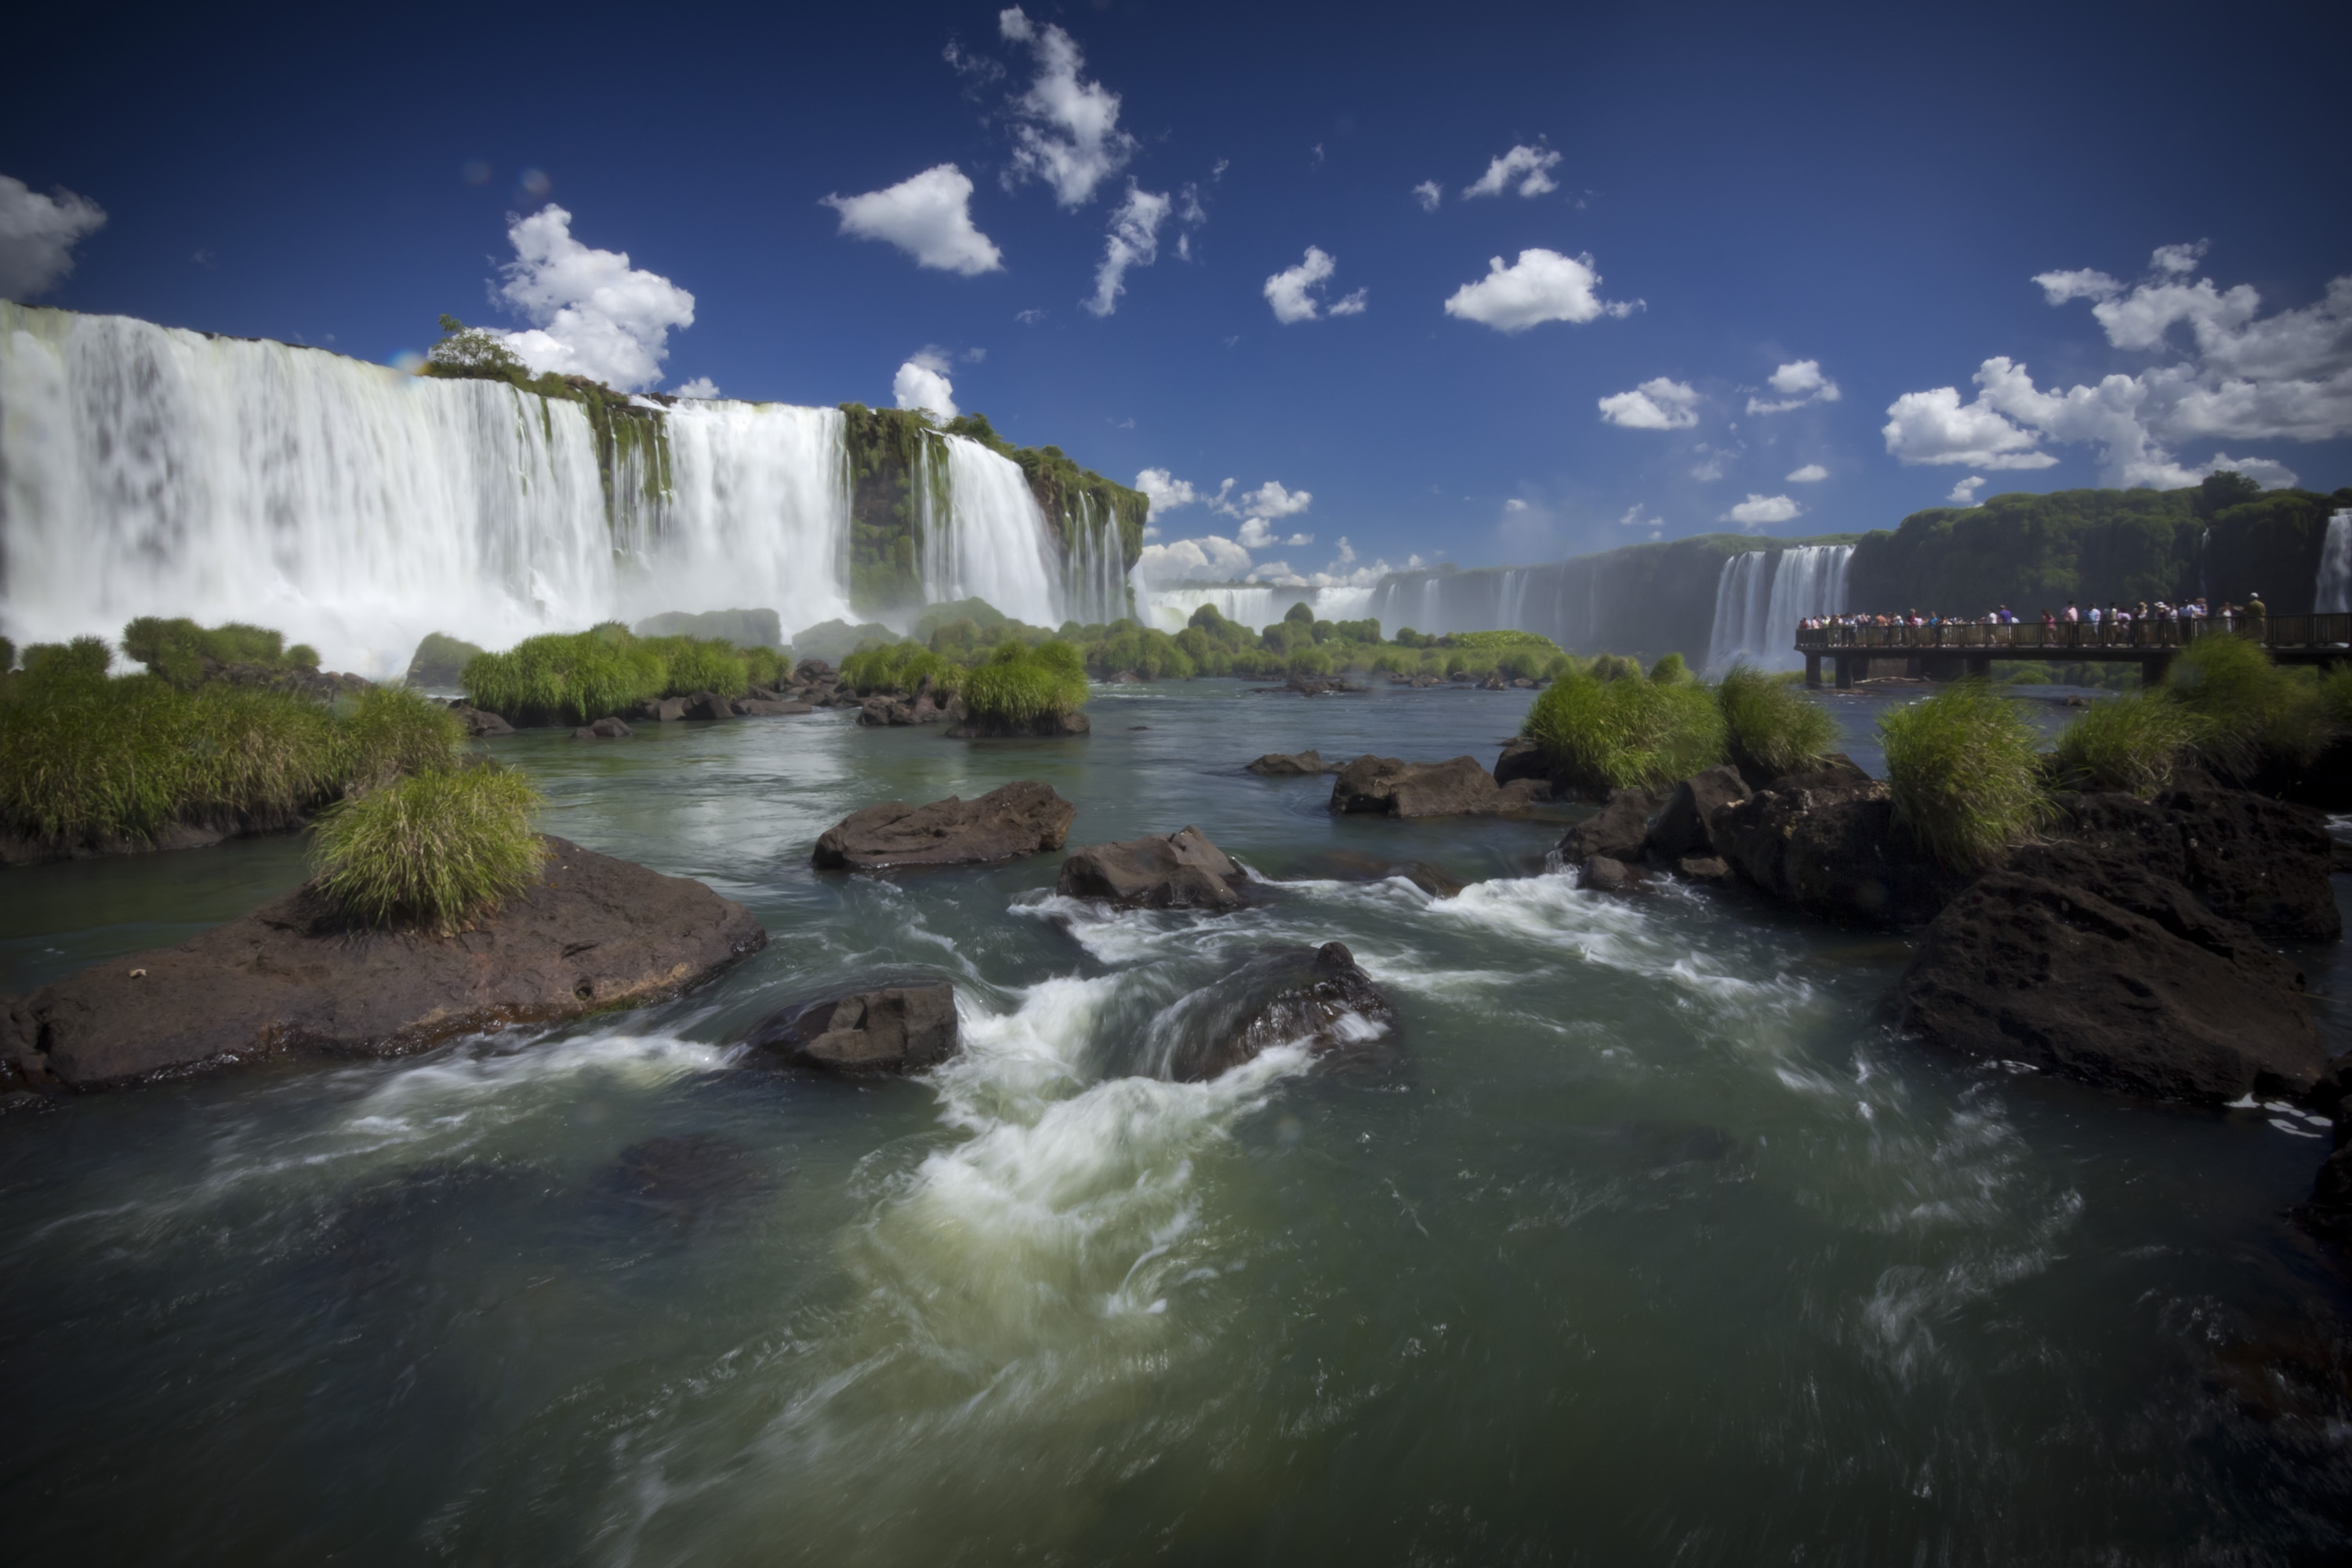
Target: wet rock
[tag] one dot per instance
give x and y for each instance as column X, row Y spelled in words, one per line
column 1521, row 760
column 1181, row 871
column 1685, row 827
column 605, row 729
column 1124, row 677
column 708, row 705
column 1460, row 787
column 663, row 710
column 480, row 722
column 1835, row 770
column 1618, row 830
column 1020, row 819
column 1053, row 726
column 687, row 1178
column 2263, row 860
column 1604, row 875
column 294, row 977
column 896, row 1029
column 2330, row 1213
column 2018, row 968
column 1708, row 869
column 1524, row 683
column 1277, row 764
column 1316, row 997
column 1834, row 851
column 1494, row 683
column 770, row 708
column 1353, row 866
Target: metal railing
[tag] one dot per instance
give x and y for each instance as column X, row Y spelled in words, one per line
column 2277, row 632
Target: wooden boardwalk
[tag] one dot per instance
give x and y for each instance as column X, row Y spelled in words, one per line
column 2151, row 643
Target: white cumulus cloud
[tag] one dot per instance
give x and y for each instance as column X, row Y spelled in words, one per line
column 1167, row 492
column 1066, row 129
column 1541, row 285
column 922, row 383
column 1797, row 384
column 1810, row 474
column 37, row 235
column 1526, row 169
column 1209, row 556
column 1134, row 242
column 1964, row 492
column 2239, row 376
column 1429, row 194
column 592, row 313
column 1757, row 510
column 1292, row 290
column 1271, row 498
column 928, row 216
column 1658, row 405
column 701, row 386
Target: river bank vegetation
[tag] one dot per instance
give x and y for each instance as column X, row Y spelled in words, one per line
column 577, row 678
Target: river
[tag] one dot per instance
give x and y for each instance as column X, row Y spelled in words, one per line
column 1662, row 1247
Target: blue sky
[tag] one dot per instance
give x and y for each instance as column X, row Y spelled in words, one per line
column 1730, row 193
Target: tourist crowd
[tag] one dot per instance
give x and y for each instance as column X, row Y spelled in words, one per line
column 2137, row 625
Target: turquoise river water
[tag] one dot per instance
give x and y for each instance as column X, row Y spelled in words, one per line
column 1662, row 1247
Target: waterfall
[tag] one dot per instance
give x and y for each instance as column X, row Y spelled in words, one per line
column 1762, row 595
column 982, row 534
column 1509, row 612
column 151, row 470
column 2332, row 595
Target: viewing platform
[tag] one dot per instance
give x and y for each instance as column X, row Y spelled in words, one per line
column 2150, row 644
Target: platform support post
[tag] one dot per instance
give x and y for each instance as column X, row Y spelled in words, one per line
column 1813, row 670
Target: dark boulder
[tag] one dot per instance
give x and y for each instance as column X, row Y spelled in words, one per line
column 1835, row 770
column 1686, row 825
column 2330, row 1213
column 1180, row 871
column 1460, row 787
column 294, row 977
column 1604, row 875
column 708, row 705
column 1124, row 677
column 2261, row 860
column 899, row 1028
column 662, row 709
column 1834, row 850
column 1295, row 764
column 480, row 722
column 1316, row 997
column 604, row 729
column 1353, row 866
column 1020, row 819
column 1709, row 869
column 1521, row 760
column 2018, row 968
column 1051, row 726
column 1618, row 830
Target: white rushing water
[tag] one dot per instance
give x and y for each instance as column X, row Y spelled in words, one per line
column 2333, row 593
column 152, row 471
column 1762, row 595
column 983, row 535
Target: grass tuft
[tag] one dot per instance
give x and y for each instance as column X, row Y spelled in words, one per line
column 1024, row 684
column 435, row 851
column 2252, row 711
column 1965, row 779
column 1771, row 728
column 1598, row 734
column 578, row 678
column 2133, row 743
column 900, row 667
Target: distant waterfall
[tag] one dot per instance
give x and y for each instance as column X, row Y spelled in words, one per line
column 1762, row 595
column 150, row 471
column 2333, row 593
column 982, row 534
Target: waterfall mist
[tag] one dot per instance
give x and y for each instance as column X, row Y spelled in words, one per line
column 2332, row 594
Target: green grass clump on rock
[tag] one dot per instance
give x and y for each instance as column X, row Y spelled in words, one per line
column 2253, row 712
column 1024, row 684
column 433, row 851
column 899, row 667
column 1965, row 779
column 85, row 758
column 1771, row 729
column 1597, row 735
column 179, row 649
column 2133, row 743
column 578, row 678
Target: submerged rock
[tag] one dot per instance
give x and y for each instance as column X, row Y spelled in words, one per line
column 1354, row 865
column 1604, row 875
column 1051, row 726
column 899, row 1028
column 1459, row 787
column 708, row 705
column 480, row 722
column 663, row 710
column 1020, row 819
column 772, row 708
column 605, row 729
column 295, row 977
column 1618, row 830
column 1294, row 765
column 1180, row 871
column 2020, row 968
column 1315, row 996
